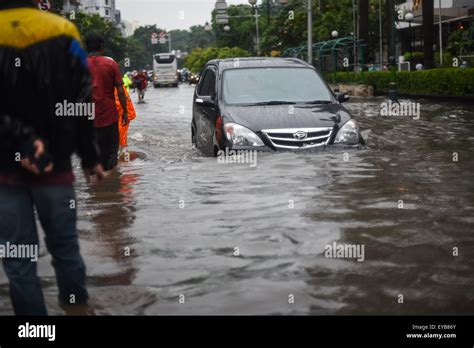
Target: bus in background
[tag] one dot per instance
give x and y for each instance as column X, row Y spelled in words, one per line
column 165, row 66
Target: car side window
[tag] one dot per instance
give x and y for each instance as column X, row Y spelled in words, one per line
column 203, row 83
column 208, row 86
column 212, row 84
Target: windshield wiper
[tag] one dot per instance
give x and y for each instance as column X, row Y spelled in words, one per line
column 318, row 102
column 273, row 102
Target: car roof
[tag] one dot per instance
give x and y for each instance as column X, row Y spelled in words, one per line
column 258, row 62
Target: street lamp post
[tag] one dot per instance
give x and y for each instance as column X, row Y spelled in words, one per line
column 440, row 26
column 334, row 34
column 409, row 18
column 380, row 36
column 354, row 35
column 310, row 32
column 253, row 4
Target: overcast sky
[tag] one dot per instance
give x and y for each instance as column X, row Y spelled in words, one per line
column 169, row 14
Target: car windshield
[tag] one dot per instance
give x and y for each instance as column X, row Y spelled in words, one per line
column 274, row 86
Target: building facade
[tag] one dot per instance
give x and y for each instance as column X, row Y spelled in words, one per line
column 104, row 8
column 453, row 15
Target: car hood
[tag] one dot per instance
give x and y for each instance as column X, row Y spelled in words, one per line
column 261, row 117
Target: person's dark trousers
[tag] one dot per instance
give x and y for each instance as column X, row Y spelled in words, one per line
column 108, row 139
column 56, row 211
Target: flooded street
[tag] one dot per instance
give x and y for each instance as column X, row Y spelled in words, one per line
column 169, row 222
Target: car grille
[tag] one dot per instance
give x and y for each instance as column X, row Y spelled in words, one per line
column 298, row 138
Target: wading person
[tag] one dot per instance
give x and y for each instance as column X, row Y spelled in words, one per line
column 123, row 128
column 127, row 82
column 42, row 65
column 141, row 82
column 105, row 78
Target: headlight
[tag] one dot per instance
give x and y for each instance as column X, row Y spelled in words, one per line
column 348, row 134
column 239, row 135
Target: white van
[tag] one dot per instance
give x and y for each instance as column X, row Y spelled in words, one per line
column 165, row 66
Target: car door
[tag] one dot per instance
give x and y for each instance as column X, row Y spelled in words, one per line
column 206, row 111
column 197, row 112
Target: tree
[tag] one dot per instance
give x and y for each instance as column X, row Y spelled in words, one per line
column 242, row 29
column 200, row 56
column 459, row 43
column 179, row 39
column 115, row 44
column 198, row 37
column 140, row 49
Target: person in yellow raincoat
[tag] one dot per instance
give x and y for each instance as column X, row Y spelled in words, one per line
column 123, row 130
column 127, row 82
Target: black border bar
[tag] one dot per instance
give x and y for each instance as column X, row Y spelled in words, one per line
column 287, row 330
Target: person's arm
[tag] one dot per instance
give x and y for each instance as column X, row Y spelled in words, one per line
column 17, row 137
column 123, row 103
column 120, row 92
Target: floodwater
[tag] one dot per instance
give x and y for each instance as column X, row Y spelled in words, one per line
column 161, row 235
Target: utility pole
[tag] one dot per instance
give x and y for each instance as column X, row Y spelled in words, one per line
column 268, row 13
column 392, row 92
column 428, row 22
column 354, row 34
column 257, row 31
column 310, row 32
column 381, row 36
column 440, row 36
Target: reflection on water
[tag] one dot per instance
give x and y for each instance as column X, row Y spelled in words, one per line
column 183, row 216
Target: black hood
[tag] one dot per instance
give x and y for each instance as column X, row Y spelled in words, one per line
column 260, row 117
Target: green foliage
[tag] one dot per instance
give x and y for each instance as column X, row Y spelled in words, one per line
column 447, row 59
column 414, row 58
column 140, row 49
column 242, row 29
column 460, row 43
column 115, row 44
column 289, row 29
column 200, row 56
column 454, row 82
column 179, row 39
column 199, row 38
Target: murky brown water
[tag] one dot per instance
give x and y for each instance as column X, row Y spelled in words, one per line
column 182, row 215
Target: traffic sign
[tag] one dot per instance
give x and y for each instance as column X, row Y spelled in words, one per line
column 44, row 5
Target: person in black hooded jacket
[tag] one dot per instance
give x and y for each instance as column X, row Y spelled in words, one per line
column 42, row 68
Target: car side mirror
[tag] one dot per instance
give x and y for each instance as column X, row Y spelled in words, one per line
column 342, row 97
column 205, row 100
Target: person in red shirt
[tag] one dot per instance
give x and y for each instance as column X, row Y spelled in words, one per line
column 105, row 78
column 141, row 82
